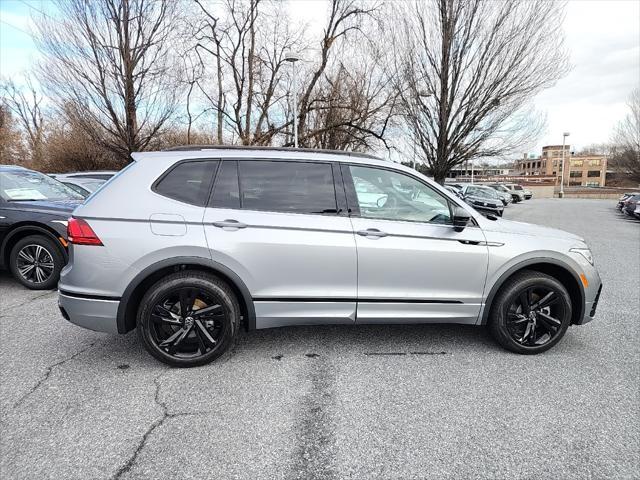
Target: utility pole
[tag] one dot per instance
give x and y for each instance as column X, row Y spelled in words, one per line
column 564, row 138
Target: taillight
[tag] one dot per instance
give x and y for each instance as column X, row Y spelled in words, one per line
column 80, row 233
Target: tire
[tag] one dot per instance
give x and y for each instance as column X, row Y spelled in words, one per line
column 161, row 326
column 44, row 258
column 509, row 320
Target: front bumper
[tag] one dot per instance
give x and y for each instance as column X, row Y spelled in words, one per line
column 99, row 314
column 591, row 299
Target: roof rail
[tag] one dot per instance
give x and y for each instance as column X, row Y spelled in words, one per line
column 260, row 147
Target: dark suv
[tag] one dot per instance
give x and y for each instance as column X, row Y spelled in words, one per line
column 34, row 209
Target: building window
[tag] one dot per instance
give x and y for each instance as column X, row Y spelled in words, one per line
column 554, row 173
column 594, row 163
column 593, row 173
column 575, row 184
column 593, row 184
column 576, row 163
column 575, row 173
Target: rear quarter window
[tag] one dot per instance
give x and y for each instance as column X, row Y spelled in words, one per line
column 188, row 182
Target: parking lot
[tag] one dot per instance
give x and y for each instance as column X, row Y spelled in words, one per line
column 405, row 402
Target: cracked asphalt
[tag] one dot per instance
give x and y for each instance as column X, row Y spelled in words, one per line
column 392, row 402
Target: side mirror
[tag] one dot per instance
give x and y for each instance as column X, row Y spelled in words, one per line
column 460, row 218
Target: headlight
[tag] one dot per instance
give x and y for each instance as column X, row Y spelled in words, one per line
column 585, row 252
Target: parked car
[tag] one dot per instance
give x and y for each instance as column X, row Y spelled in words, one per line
column 482, row 198
column 636, row 212
column 223, row 237
column 34, row 209
column 624, row 197
column 516, row 191
column 504, row 195
column 629, row 205
column 528, row 194
column 515, row 196
column 81, row 185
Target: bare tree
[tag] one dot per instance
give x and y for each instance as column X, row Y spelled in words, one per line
column 626, row 140
column 110, row 64
column 351, row 109
column 26, row 104
column 346, row 102
column 12, row 148
column 245, row 42
column 468, row 69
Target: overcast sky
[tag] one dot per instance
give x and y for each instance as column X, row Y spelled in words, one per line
column 603, row 38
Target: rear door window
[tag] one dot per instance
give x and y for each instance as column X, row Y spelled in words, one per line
column 283, row 186
column 188, row 182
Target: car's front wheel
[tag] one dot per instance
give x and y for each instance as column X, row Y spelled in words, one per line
column 35, row 261
column 530, row 313
column 188, row 319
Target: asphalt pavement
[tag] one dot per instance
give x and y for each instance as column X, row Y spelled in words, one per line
column 389, row 402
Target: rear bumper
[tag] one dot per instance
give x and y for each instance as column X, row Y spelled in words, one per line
column 99, row 314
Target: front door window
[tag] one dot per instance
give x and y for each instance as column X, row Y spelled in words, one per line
column 387, row 195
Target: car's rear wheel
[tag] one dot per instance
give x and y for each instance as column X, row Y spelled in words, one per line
column 530, row 313
column 35, row 261
column 188, row 319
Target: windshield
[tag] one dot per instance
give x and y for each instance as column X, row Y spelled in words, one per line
column 28, row 185
column 517, row 187
column 484, row 192
column 500, row 188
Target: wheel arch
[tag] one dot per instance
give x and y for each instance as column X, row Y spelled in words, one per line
column 130, row 300
column 552, row 267
column 22, row 230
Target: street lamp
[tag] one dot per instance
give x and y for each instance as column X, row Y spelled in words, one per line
column 564, row 138
column 293, row 58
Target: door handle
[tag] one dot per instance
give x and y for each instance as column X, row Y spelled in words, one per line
column 230, row 224
column 372, row 232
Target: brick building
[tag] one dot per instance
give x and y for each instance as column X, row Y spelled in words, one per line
column 584, row 170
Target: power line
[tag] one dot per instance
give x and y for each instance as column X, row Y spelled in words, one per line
column 28, row 5
column 13, row 26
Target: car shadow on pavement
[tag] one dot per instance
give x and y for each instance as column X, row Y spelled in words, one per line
column 334, row 340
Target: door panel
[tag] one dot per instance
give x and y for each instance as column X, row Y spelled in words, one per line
column 426, row 272
column 412, row 265
column 286, row 257
column 299, row 268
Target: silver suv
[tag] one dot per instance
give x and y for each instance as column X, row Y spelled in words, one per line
column 188, row 245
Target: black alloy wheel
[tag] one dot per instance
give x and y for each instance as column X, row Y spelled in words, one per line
column 188, row 319
column 531, row 313
column 534, row 316
column 35, row 262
